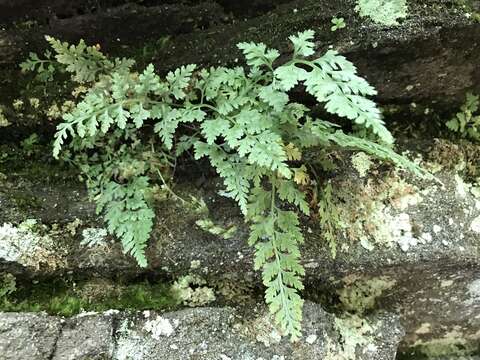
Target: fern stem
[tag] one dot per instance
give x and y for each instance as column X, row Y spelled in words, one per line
column 169, row 189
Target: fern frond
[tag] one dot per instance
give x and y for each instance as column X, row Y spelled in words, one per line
column 380, row 151
column 128, row 215
column 237, row 183
column 276, row 237
column 258, row 55
column 241, row 120
column 303, row 43
column 179, row 80
column 85, row 62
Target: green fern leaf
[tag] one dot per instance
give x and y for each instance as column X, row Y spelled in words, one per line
column 258, row 55
column 276, row 99
column 128, row 216
column 303, row 43
column 179, row 80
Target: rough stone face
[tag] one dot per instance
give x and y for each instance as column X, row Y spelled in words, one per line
column 28, row 336
column 86, row 337
column 199, row 333
column 431, row 57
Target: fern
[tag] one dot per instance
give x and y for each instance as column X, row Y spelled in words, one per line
column 276, row 235
column 242, row 120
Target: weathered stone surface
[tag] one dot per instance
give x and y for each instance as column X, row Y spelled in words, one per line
column 199, row 333
column 435, row 42
column 86, row 337
column 431, row 57
column 44, row 11
column 28, row 336
column 113, row 27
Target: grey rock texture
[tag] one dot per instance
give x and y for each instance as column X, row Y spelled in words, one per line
column 85, row 337
column 28, row 336
column 199, row 333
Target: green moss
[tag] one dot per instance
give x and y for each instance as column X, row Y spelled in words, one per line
column 66, row 298
column 34, row 163
column 470, row 7
column 453, row 345
column 461, row 156
column 8, row 285
column 25, row 201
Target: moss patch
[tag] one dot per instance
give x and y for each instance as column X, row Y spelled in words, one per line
column 68, row 298
column 360, row 295
column 454, row 344
column 462, row 156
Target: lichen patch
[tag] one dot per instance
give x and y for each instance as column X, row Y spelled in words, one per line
column 362, row 163
column 23, row 245
column 475, row 225
column 159, row 327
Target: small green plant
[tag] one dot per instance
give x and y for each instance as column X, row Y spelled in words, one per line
column 129, row 127
column 467, row 122
column 338, row 23
column 45, row 68
column 30, row 144
column 8, row 285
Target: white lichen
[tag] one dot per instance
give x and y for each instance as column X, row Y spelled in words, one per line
column 94, row 237
column 453, row 344
column 34, row 102
column 425, row 328
column 18, row 104
column 16, row 242
column 23, row 245
column 461, row 188
column 261, row 329
column 3, row 120
column 362, row 163
column 401, row 230
column 311, row 339
column 475, row 225
column 195, row 264
column 473, row 291
column 159, row 327
column 354, row 332
column 383, row 12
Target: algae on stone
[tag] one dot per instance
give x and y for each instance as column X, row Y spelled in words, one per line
column 360, row 294
column 354, row 332
column 192, row 291
column 453, row 344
